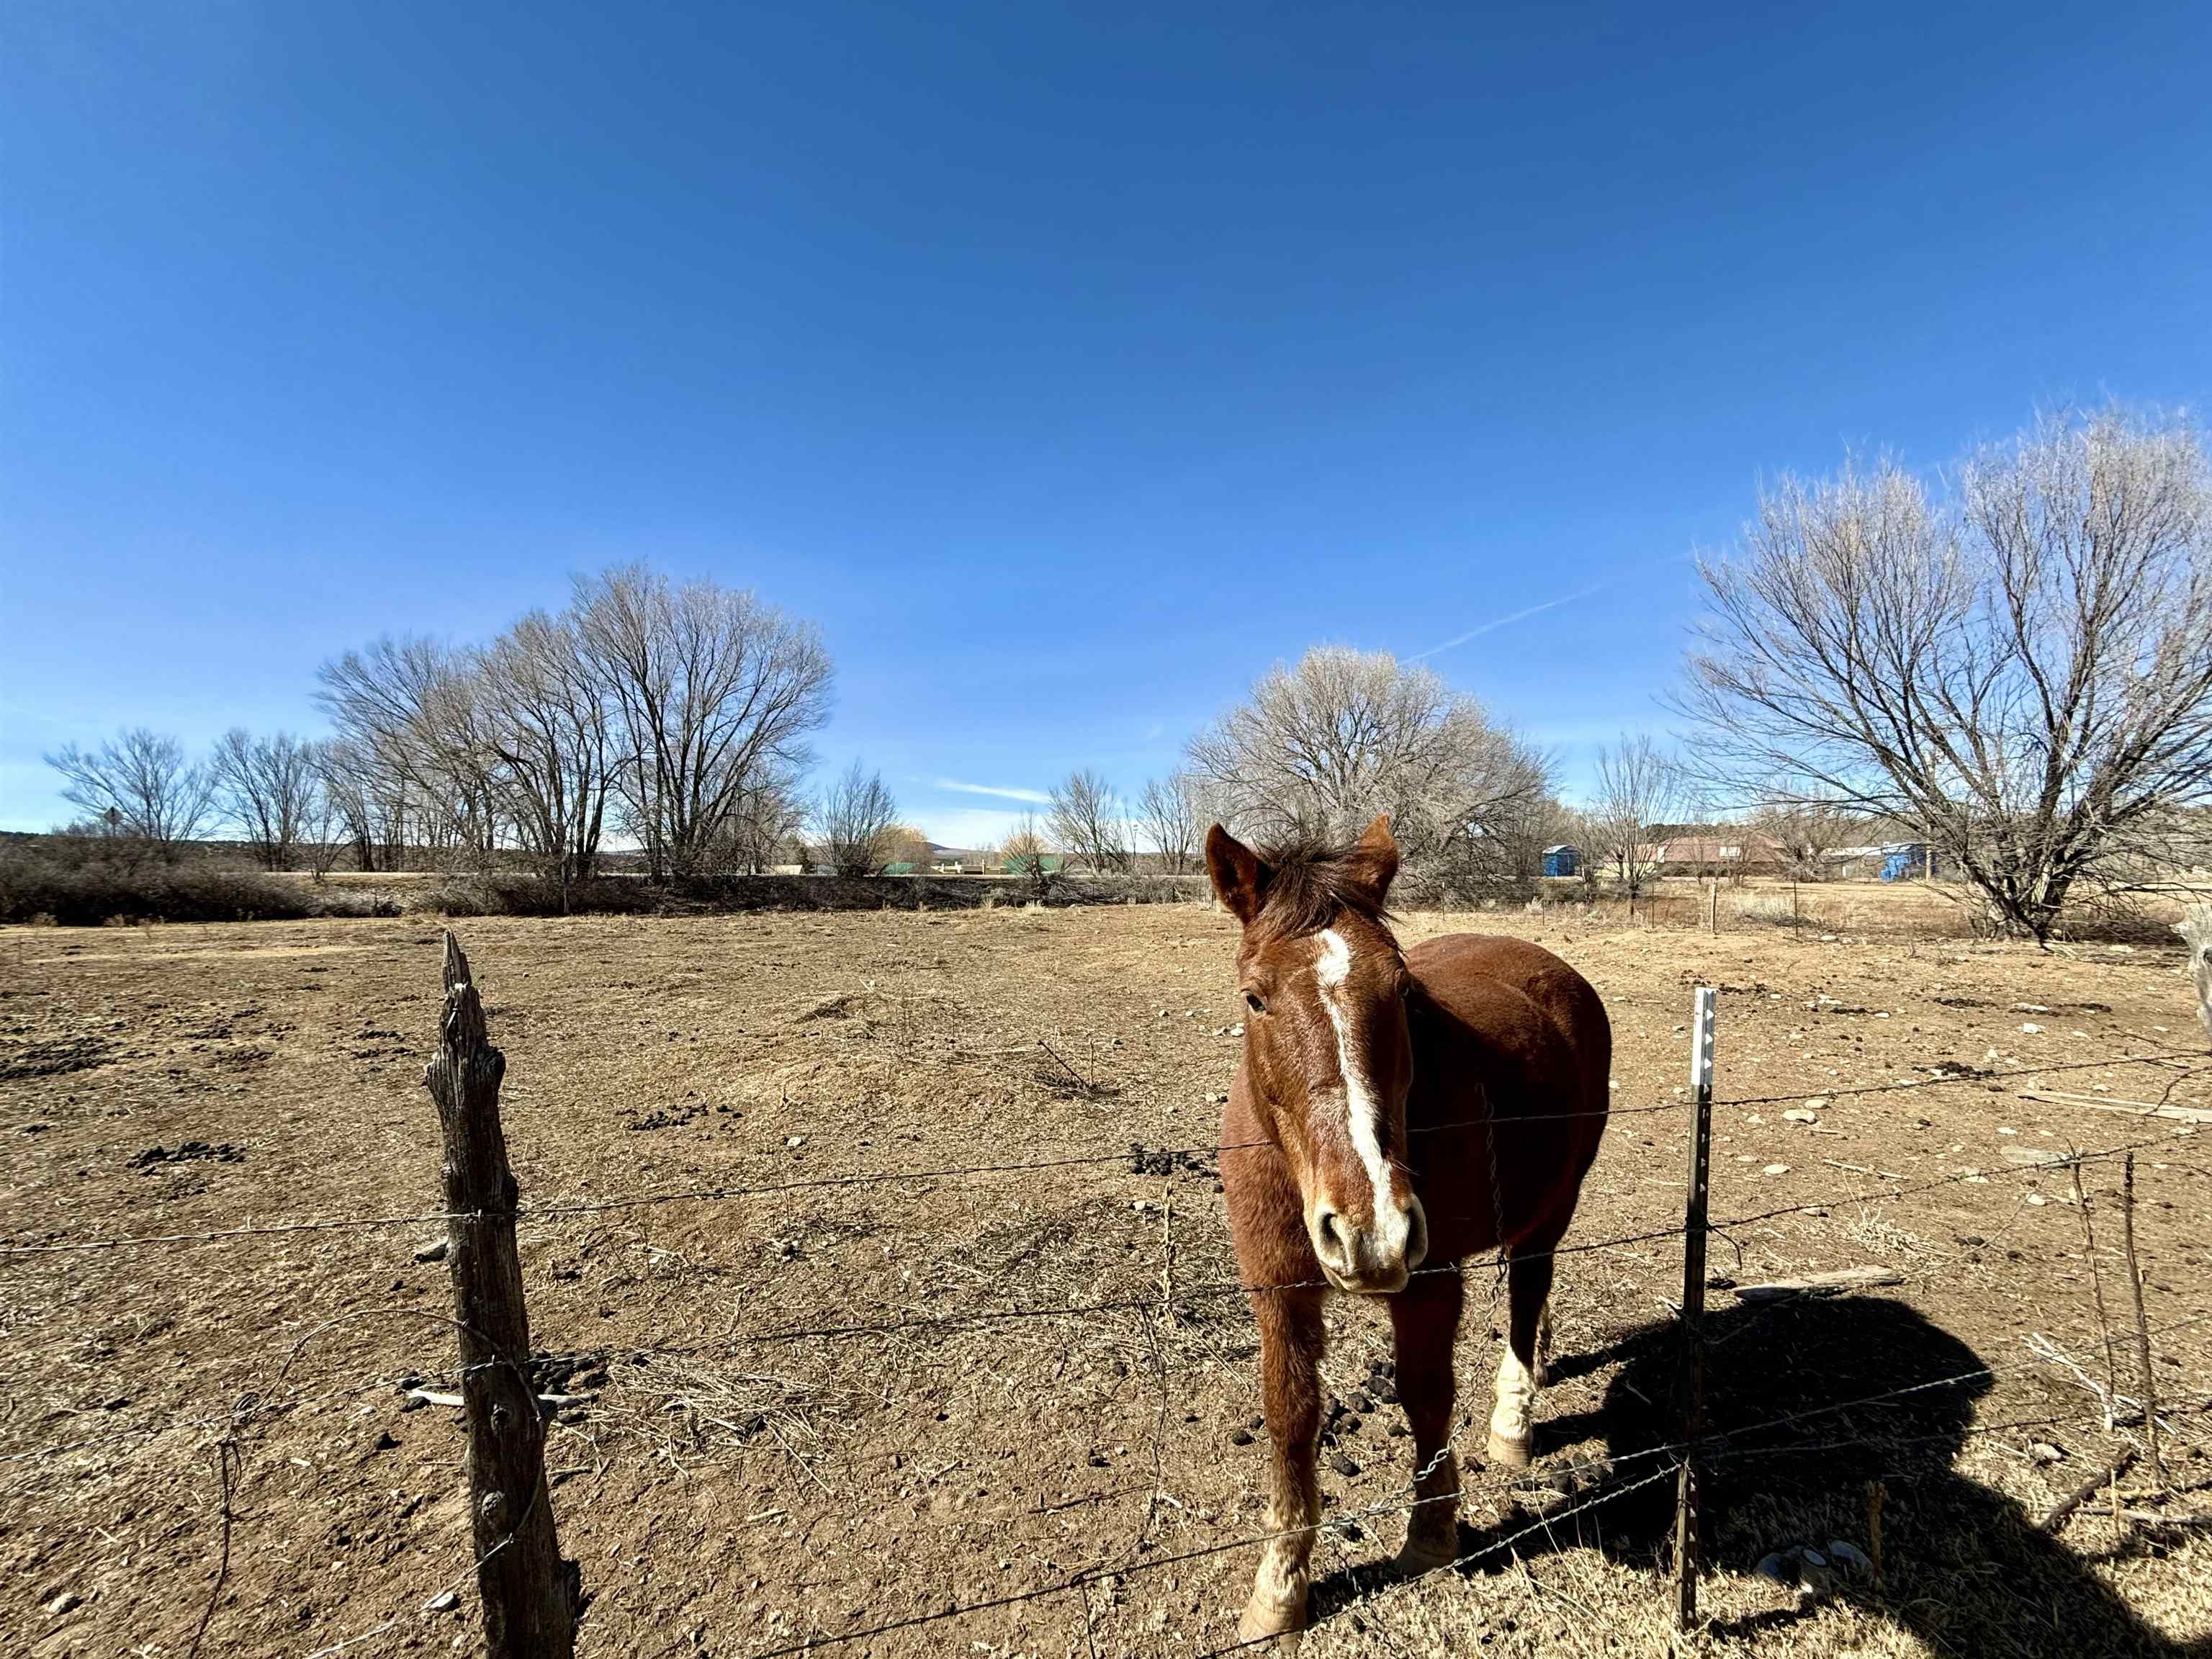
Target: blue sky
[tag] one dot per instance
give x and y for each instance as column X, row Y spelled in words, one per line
column 1069, row 365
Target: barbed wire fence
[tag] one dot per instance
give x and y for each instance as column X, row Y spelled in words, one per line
column 546, row 1576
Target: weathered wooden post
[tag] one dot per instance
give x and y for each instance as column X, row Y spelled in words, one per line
column 1690, row 1391
column 526, row 1587
column 2196, row 927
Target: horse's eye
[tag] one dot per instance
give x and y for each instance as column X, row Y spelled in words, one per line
column 1252, row 1001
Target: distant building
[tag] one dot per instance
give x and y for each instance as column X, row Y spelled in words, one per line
column 1714, row 850
column 1563, row 861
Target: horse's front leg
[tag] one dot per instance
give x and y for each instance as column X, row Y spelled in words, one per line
column 1290, row 1373
column 1423, row 1320
column 1523, row 1367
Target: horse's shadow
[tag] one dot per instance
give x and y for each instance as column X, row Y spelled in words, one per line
column 1964, row 1568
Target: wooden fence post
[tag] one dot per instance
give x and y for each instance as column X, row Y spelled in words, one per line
column 526, row 1589
column 1692, row 1389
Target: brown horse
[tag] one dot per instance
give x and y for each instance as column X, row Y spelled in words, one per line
column 1392, row 1109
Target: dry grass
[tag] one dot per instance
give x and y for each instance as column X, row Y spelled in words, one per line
column 731, row 1486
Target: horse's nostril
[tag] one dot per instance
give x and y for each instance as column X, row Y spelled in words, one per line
column 1335, row 1247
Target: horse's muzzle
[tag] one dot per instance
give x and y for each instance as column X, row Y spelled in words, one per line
column 1370, row 1260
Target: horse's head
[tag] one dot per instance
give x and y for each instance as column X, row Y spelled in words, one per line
column 1326, row 1051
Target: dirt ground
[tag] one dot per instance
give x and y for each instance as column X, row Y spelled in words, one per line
column 738, row 1469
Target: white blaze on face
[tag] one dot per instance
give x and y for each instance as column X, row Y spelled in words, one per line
column 1363, row 1111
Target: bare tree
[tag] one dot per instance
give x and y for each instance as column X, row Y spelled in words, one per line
column 325, row 826
column 1319, row 748
column 270, row 786
column 1810, row 830
column 767, row 816
column 1173, row 819
column 853, row 819
column 716, row 690
column 415, row 714
column 1026, row 855
column 368, row 801
column 1088, row 820
column 904, row 844
column 546, row 730
column 1639, row 785
column 1504, row 856
column 2022, row 670
column 139, row 787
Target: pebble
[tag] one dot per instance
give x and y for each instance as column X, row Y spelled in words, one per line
column 63, row 1602
column 1241, row 1438
column 1851, row 1558
column 1799, row 1114
column 443, row 1601
column 1344, row 1465
column 434, row 1251
column 1776, row 1170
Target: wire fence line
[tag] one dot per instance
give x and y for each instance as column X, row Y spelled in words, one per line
column 1202, row 1289
column 721, row 1192
column 1973, row 1074
column 1714, row 1443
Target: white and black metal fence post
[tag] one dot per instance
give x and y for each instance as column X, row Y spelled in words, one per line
column 1691, row 1392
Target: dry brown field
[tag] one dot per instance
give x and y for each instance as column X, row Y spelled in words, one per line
column 793, row 1415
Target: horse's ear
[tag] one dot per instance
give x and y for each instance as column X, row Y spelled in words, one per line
column 1374, row 856
column 1240, row 879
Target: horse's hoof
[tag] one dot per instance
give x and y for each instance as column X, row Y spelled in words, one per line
column 1511, row 1454
column 1425, row 1553
column 1265, row 1620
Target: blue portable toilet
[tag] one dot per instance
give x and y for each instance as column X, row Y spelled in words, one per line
column 1901, row 860
column 1562, row 861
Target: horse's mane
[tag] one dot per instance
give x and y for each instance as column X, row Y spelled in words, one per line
column 1311, row 882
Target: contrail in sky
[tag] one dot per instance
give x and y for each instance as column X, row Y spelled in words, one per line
column 1500, row 621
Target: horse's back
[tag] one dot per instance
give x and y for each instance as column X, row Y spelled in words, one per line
column 1524, row 1036
column 1520, row 996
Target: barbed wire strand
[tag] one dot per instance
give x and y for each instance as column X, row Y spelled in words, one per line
column 725, row 1191
column 1611, row 1464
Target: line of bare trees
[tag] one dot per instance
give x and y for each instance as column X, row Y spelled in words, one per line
column 677, row 715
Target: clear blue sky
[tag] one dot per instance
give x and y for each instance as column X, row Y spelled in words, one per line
column 1068, row 364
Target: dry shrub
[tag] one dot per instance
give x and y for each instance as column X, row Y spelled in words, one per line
column 49, row 881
